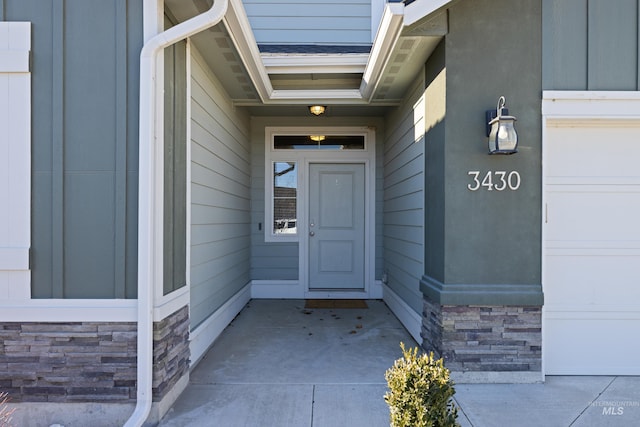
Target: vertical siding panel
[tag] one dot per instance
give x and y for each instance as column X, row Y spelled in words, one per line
column 180, row 160
column 134, row 40
column 57, row 163
column 120, row 249
column 90, row 140
column 84, row 145
column 169, row 163
column 175, row 177
column 564, row 39
column 613, row 48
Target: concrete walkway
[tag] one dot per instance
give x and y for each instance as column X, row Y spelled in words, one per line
column 279, row 364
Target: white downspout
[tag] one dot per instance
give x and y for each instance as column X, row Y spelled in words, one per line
column 148, row 276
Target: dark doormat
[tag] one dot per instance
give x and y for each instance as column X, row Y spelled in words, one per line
column 335, row 303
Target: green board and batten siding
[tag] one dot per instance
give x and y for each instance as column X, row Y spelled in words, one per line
column 591, row 45
column 175, row 167
column 332, row 22
column 220, row 195
column 84, row 145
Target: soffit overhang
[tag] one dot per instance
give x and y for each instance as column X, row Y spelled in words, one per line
column 407, row 36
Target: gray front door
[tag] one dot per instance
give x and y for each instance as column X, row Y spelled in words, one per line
column 336, row 226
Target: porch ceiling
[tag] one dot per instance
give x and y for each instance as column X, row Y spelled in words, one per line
column 361, row 82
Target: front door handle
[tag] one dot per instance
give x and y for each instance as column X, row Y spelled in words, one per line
column 312, row 233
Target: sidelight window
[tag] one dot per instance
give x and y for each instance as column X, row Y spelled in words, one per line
column 285, row 195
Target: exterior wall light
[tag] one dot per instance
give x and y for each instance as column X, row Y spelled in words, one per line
column 503, row 138
column 317, row 109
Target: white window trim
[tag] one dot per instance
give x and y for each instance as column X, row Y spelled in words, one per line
column 69, row 310
column 300, row 288
column 302, row 158
column 15, row 160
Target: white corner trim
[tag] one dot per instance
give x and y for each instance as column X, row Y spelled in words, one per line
column 170, row 303
column 411, row 320
column 67, row 310
column 206, row 333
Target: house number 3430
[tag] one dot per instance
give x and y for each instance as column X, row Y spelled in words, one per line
column 494, row 180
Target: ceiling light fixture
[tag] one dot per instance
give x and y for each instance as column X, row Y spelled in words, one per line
column 317, row 109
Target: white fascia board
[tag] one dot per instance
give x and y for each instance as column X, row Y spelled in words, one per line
column 386, row 39
column 241, row 34
column 317, row 95
column 419, row 9
column 591, row 104
column 327, row 63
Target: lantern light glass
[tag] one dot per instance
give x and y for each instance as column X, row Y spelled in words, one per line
column 503, row 138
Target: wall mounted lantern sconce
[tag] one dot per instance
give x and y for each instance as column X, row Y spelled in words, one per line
column 316, row 110
column 503, row 138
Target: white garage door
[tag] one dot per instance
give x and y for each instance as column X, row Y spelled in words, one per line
column 591, row 260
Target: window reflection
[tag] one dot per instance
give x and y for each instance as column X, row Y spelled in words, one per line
column 285, row 193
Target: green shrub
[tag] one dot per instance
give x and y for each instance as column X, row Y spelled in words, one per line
column 420, row 392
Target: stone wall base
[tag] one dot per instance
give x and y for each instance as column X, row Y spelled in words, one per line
column 84, row 373
column 485, row 343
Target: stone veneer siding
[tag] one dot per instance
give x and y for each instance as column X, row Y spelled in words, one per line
column 484, row 338
column 88, row 361
column 68, row 362
column 170, row 351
